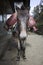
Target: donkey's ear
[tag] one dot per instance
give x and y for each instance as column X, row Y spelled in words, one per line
column 15, row 14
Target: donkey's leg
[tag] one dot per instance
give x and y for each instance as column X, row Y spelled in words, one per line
column 18, row 48
column 23, row 48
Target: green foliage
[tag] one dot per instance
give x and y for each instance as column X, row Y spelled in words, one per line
column 38, row 16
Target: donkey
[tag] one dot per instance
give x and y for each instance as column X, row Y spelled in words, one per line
column 21, row 32
column 22, row 16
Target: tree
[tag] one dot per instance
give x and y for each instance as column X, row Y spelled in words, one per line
column 38, row 15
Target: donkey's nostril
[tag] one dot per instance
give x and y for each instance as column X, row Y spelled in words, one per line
column 23, row 34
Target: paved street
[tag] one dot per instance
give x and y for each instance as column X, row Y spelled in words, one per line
column 34, row 51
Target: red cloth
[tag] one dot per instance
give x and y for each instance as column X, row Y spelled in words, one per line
column 12, row 20
column 31, row 22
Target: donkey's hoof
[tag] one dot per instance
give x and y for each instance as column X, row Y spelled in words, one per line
column 24, row 57
column 18, row 58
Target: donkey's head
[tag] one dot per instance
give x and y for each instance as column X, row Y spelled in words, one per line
column 23, row 16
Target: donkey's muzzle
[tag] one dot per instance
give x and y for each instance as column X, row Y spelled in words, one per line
column 23, row 35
